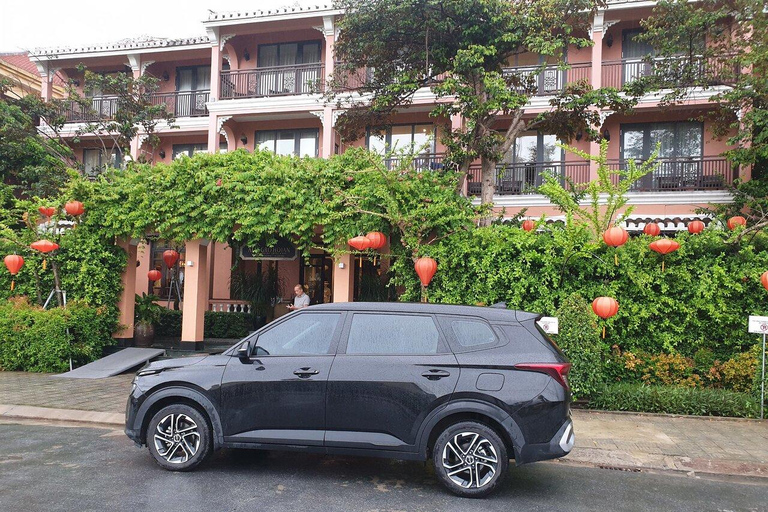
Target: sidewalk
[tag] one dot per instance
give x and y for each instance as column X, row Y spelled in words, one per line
column 635, row 442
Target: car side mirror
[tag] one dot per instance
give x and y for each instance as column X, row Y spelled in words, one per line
column 243, row 353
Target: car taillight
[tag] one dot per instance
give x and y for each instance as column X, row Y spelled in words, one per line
column 558, row 371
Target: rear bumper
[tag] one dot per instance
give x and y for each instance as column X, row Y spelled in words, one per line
column 560, row 445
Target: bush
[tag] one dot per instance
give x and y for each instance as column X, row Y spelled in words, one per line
column 217, row 324
column 579, row 338
column 674, row 400
column 34, row 339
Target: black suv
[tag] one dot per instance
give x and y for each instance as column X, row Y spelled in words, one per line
column 469, row 387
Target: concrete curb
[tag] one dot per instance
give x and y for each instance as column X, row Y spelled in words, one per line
column 112, row 419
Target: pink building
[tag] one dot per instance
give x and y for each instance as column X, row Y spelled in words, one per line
column 249, row 83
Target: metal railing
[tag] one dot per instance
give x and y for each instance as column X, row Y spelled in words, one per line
column 684, row 173
column 183, row 103
column 273, row 81
column 524, row 178
column 101, row 107
column 674, row 70
column 420, row 162
column 551, row 79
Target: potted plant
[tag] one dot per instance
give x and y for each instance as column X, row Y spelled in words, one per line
column 259, row 289
column 147, row 314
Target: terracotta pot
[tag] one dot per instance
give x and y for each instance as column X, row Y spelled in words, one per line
column 143, row 334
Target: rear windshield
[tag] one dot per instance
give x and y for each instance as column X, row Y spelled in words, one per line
column 548, row 339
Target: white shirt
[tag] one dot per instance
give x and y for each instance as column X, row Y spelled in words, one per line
column 301, row 301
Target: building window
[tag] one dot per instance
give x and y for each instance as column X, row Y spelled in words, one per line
column 96, row 161
column 193, row 78
column 289, row 142
column 188, row 149
column 409, row 137
column 289, row 54
column 532, row 147
column 532, row 155
column 683, row 139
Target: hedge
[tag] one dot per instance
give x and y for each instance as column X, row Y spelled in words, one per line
column 217, row 324
column 675, row 400
column 34, row 339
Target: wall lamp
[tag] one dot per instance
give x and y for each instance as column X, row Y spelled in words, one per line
column 609, row 40
column 162, row 153
column 244, row 139
column 166, row 76
column 607, row 135
column 246, row 55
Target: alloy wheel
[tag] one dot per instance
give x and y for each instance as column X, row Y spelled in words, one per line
column 470, row 460
column 177, row 438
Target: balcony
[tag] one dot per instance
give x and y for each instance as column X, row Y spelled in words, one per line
column 673, row 71
column 420, row 162
column 524, row 178
column 273, row 81
column 684, row 173
column 179, row 103
column 551, row 79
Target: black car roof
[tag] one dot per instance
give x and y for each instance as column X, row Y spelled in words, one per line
column 489, row 313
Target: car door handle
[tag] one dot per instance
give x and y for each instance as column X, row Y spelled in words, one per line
column 435, row 374
column 304, row 373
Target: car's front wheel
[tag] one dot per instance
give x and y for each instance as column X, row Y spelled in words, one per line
column 470, row 459
column 178, row 437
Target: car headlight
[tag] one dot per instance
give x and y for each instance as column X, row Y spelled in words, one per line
column 149, row 371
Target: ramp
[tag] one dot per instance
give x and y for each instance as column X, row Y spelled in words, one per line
column 114, row 364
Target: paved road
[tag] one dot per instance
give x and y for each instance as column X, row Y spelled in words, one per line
column 48, row 468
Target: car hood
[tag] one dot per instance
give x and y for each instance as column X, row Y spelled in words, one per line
column 177, row 362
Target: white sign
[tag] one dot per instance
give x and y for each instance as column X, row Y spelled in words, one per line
column 758, row 324
column 550, row 324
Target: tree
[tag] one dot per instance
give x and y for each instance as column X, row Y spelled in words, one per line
column 459, row 48
column 708, row 45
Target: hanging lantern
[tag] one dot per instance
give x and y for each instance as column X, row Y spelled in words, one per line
column 44, row 246
column 13, row 263
column 170, row 257
column 425, row 268
column 738, row 220
column 663, row 247
column 652, row 229
column 615, row 237
column 695, row 227
column 47, row 211
column 529, row 225
column 764, row 280
column 74, row 208
column 360, row 243
column 154, row 275
column 605, row 307
column 377, row 239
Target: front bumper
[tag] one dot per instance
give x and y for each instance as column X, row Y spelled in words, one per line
column 132, row 430
column 560, row 445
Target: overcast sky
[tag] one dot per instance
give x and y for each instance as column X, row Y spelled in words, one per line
column 27, row 24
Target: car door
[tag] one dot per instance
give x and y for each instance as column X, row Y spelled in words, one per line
column 391, row 370
column 277, row 395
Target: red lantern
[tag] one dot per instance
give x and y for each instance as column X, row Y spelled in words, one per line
column 13, row 263
column 695, row 227
column 154, row 275
column 652, row 229
column 48, row 211
column 74, row 208
column 377, row 239
column 360, row 243
column 736, row 221
column 44, row 246
column 615, row 237
column 170, row 257
column 664, row 246
column 529, row 225
column 605, row 307
column 764, row 280
column 425, row 268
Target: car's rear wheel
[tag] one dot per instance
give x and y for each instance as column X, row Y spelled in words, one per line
column 470, row 459
column 178, row 437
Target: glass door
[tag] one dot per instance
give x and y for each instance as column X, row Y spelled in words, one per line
column 633, row 52
column 317, row 278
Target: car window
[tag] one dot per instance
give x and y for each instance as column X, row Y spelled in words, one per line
column 471, row 333
column 392, row 334
column 305, row 333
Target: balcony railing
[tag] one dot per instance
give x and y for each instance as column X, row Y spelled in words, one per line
column 421, row 162
column 684, row 173
column 183, row 103
column 551, row 79
column 524, row 178
column 179, row 103
column 273, row 81
column 675, row 71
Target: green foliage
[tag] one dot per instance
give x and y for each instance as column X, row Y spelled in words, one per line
column 701, row 301
column 146, row 310
column 260, row 290
column 606, row 194
column 675, row 400
column 217, row 324
column 33, row 339
column 579, row 338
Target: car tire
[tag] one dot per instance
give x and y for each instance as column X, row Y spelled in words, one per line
column 179, row 437
column 470, row 459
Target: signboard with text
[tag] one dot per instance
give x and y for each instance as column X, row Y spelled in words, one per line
column 758, row 324
column 282, row 250
column 549, row 324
